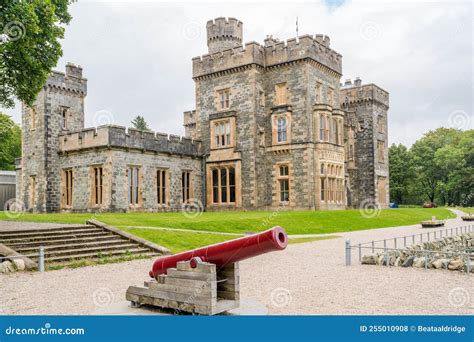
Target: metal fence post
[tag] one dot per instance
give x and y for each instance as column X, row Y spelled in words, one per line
column 373, row 246
column 468, row 264
column 348, row 252
column 426, row 261
column 360, row 253
column 413, row 238
column 421, row 237
column 41, row 259
column 428, row 236
column 405, row 241
column 395, row 242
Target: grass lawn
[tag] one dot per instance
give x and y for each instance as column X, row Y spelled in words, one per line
column 467, row 210
column 295, row 222
column 183, row 241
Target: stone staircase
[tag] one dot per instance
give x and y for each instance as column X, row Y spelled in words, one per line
column 63, row 245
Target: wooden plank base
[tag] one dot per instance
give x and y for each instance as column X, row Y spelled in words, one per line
column 204, row 290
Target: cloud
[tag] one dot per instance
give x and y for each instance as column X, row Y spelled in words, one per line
column 137, row 56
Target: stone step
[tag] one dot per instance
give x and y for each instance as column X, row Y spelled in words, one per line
column 52, row 237
column 37, row 243
column 94, row 255
column 51, row 233
column 99, row 249
column 57, row 229
column 69, row 245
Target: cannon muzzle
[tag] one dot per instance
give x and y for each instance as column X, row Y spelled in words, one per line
column 227, row 252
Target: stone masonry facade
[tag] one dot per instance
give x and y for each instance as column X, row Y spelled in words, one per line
column 273, row 127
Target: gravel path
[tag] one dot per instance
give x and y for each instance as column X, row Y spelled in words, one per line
column 306, row 278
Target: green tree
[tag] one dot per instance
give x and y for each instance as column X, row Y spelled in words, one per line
column 10, row 142
column 140, row 123
column 432, row 164
column 29, row 46
column 401, row 173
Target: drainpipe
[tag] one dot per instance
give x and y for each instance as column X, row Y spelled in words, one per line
column 203, row 181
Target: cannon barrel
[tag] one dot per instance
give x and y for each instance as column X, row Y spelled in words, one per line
column 227, row 252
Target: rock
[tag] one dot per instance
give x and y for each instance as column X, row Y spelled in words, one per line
column 19, row 264
column 8, row 266
column 440, row 263
column 419, row 262
column 456, row 264
column 398, row 262
column 409, row 261
column 3, row 268
column 391, row 260
column 369, row 260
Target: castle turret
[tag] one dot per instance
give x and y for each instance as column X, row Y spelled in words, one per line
column 223, row 34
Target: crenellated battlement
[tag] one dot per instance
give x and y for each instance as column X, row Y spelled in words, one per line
column 223, row 34
column 120, row 137
column 252, row 53
column 357, row 92
column 274, row 53
column 71, row 81
column 307, row 46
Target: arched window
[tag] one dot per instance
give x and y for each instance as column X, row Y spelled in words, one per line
column 281, row 129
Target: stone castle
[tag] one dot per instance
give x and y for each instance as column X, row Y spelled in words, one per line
column 273, row 126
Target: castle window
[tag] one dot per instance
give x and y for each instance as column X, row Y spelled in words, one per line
column 32, row 191
column 224, row 99
column 67, row 188
column 331, row 96
column 321, row 127
column 322, row 169
column 351, row 152
column 340, row 130
column 186, row 186
column 261, row 98
column 284, row 183
column 133, row 185
column 222, row 133
column 381, row 187
column 161, row 186
column 64, row 112
column 319, row 88
column 281, row 94
column 380, row 151
column 380, row 124
column 323, row 189
column 223, row 185
column 97, row 185
column 327, row 125
column 334, row 132
column 281, row 129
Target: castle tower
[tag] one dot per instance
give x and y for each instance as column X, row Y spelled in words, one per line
column 366, row 107
column 223, row 34
column 59, row 108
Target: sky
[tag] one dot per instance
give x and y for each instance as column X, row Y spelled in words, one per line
column 137, row 55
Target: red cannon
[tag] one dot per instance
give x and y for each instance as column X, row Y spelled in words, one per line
column 226, row 253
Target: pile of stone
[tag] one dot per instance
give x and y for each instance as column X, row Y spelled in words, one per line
column 441, row 255
column 13, row 265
